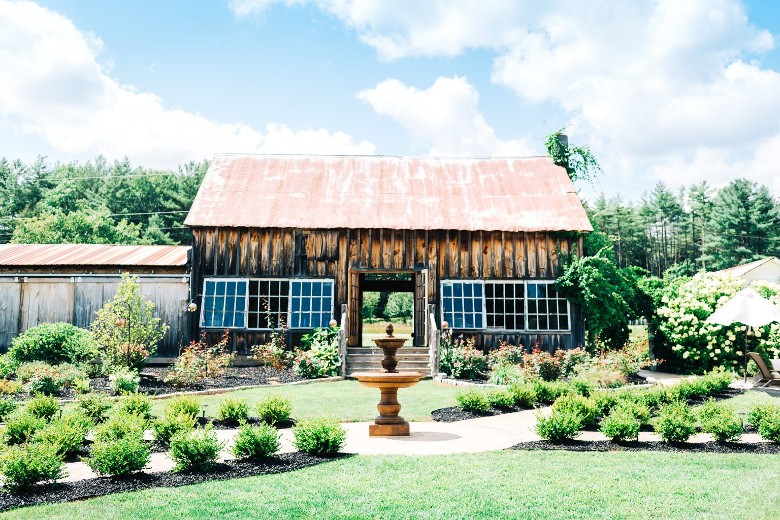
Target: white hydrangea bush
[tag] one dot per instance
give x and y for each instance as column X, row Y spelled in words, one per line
column 696, row 346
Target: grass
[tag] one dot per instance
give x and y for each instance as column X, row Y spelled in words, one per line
column 743, row 403
column 508, row 484
column 347, row 401
column 373, row 330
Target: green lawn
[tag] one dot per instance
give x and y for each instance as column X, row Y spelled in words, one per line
column 509, row 484
column 744, row 402
column 344, row 400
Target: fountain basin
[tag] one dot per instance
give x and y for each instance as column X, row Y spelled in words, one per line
column 388, row 423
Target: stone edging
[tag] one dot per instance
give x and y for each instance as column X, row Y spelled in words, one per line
column 442, row 378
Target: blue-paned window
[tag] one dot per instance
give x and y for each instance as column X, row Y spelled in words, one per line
column 547, row 310
column 311, row 303
column 224, row 303
column 463, row 304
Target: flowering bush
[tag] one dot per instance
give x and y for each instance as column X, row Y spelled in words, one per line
column 126, row 355
column 506, row 354
column 691, row 345
column 462, row 361
column 201, row 360
column 543, row 365
column 322, row 360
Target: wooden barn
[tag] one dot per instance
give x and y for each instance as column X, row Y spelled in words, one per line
column 478, row 242
column 42, row 283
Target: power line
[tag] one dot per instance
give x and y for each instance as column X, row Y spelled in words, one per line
column 111, row 214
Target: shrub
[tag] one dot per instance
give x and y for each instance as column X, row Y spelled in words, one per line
column 53, row 343
column 119, row 426
column 602, row 376
column 721, row 421
column 256, row 442
column 605, row 402
column 500, row 398
column 119, row 457
column 582, row 387
column 574, row 361
column 124, row 381
column 200, row 360
column 23, row 466
column 319, row 436
column 195, row 450
column 274, row 409
column 559, row 426
column 94, row 405
column 758, row 412
column 523, row 394
column 43, row 384
column 620, row 425
column 66, row 374
column 184, row 404
column 81, row 386
column 26, row 371
column 67, row 434
column 8, row 365
column 543, row 365
column 675, row 423
column 462, row 361
column 20, row 426
column 506, row 354
column 139, row 405
column 473, row 400
column 7, row 407
column 577, row 405
column 127, row 314
column 548, row 391
column 233, row 411
column 769, row 425
column 637, row 410
column 165, row 428
column 504, row 374
column 43, row 406
column 10, row 386
column 322, row 359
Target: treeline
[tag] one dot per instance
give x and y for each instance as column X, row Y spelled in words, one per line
column 697, row 228
column 96, row 202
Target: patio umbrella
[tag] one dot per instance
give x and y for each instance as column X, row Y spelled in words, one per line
column 749, row 308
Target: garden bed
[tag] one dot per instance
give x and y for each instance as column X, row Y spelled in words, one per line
column 686, row 447
column 152, row 380
column 88, row 488
column 456, row 413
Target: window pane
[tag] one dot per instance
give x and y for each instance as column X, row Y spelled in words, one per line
column 446, row 290
column 467, row 290
column 531, row 290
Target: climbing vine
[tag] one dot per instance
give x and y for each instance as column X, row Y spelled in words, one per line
column 578, row 161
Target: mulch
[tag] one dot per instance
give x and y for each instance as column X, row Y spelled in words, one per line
column 456, row 413
column 95, row 487
column 692, row 447
column 152, row 380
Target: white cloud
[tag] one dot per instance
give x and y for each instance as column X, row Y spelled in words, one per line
column 54, row 87
column 654, row 85
column 444, row 118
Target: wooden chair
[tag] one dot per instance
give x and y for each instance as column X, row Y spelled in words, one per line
column 768, row 377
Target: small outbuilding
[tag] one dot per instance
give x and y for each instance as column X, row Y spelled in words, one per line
column 42, row 283
column 479, row 243
column 764, row 270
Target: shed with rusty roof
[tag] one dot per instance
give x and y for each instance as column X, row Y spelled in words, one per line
column 477, row 242
column 42, row 283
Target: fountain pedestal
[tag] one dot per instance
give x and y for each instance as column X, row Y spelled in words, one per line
column 389, row 423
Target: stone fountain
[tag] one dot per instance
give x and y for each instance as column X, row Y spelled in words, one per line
column 389, row 423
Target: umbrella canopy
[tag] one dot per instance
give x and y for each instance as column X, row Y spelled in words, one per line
column 746, row 307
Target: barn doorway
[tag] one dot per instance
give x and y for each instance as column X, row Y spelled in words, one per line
column 381, row 297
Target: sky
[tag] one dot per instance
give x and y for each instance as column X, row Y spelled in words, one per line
column 667, row 90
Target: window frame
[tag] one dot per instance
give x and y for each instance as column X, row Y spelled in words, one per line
column 288, row 311
column 203, row 301
column 526, row 321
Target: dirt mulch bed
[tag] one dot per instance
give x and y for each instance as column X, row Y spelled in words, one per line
column 95, row 487
column 456, row 413
column 152, row 380
column 693, row 447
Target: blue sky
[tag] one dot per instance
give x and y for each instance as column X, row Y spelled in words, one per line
column 666, row 90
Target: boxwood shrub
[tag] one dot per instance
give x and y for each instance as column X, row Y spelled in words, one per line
column 43, row 406
column 195, row 450
column 66, row 434
column 119, row 457
column 274, row 409
column 620, row 425
column 233, row 411
column 578, row 406
column 675, row 423
column 94, row 405
column 23, row 466
column 319, row 436
column 20, row 426
column 182, row 405
column 256, row 442
column 523, row 394
column 561, row 425
column 500, row 398
column 136, row 404
column 473, row 400
column 166, row 427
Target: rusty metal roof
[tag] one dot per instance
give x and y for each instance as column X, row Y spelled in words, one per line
column 326, row 192
column 92, row 254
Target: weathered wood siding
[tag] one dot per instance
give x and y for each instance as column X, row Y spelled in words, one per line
column 288, row 252
column 29, row 301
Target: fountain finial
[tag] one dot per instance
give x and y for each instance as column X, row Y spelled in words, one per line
column 389, row 330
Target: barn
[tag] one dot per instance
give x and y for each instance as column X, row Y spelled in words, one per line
column 42, row 283
column 479, row 243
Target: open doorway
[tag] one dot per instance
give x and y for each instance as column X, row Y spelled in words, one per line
column 387, row 298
